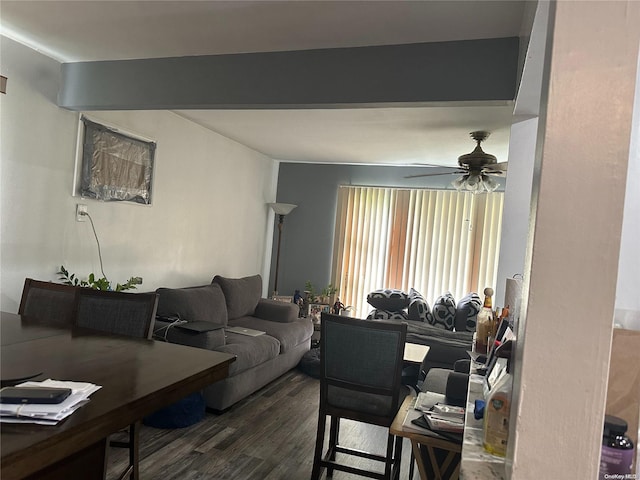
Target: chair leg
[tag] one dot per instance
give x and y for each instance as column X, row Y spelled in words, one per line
column 317, row 456
column 389, row 457
column 134, row 450
column 333, row 441
column 397, row 458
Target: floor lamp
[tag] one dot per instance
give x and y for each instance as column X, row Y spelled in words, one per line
column 281, row 210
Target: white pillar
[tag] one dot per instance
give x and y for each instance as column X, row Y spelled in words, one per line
column 562, row 357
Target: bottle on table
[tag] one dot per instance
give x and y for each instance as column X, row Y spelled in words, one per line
column 484, row 324
column 495, row 425
column 617, row 449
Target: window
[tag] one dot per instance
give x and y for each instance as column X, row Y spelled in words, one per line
column 432, row 240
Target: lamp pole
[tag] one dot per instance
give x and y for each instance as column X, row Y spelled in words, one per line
column 275, row 282
column 281, row 209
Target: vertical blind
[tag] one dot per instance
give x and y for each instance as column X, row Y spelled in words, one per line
column 431, row 240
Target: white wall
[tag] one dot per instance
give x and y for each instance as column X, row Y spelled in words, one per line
column 627, row 312
column 517, row 201
column 522, row 146
column 209, row 214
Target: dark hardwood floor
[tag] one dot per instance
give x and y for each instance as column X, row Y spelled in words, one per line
column 268, row 436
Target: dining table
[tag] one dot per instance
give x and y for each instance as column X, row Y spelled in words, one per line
column 137, row 377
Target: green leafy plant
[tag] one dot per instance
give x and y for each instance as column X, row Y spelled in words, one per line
column 314, row 297
column 96, row 283
column 329, row 290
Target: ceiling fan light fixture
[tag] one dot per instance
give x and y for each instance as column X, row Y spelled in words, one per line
column 488, row 183
column 475, row 183
column 459, row 182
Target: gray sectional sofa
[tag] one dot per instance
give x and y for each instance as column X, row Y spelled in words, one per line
column 235, row 302
column 446, row 347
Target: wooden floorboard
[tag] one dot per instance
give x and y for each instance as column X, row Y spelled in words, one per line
column 268, row 436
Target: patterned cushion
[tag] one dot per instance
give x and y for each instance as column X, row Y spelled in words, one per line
column 388, row 299
column 444, row 312
column 467, row 312
column 387, row 315
column 419, row 309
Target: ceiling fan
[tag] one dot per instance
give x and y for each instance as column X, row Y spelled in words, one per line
column 476, row 168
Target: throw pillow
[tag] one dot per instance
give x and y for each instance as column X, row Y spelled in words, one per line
column 391, row 300
column 387, row 315
column 419, row 309
column 444, row 312
column 241, row 294
column 193, row 304
column 467, row 312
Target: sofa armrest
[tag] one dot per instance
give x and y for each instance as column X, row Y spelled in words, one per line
column 456, row 390
column 275, row 311
column 168, row 332
column 462, row 366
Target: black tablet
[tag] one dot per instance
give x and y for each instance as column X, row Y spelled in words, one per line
column 26, row 395
column 199, row 326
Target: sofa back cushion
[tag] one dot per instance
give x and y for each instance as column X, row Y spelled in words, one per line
column 390, row 299
column 206, row 302
column 443, row 313
column 241, row 294
column 418, row 307
column 467, row 310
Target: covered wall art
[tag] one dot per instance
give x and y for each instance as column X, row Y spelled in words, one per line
column 115, row 166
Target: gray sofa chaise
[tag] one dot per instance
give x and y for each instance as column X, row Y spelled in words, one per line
column 236, row 302
column 446, row 347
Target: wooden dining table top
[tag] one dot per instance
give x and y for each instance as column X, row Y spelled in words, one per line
column 137, row 376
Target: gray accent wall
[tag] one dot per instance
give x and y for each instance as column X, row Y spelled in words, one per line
column 307, row 238
column 475, row 70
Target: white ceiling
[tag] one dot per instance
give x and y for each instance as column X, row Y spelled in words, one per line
column 113, row 30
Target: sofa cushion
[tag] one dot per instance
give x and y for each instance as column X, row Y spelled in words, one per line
column 418, row 307
column 241, row 294
column 388, row 299
column 276, row 311
column 444, row 312
column 387, row 315
column 205, row 302
column 288, row 334
column 467, row 312
column 249, row 351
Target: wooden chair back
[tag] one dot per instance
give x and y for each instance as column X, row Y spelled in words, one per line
column 120, row 313
column 52, row 303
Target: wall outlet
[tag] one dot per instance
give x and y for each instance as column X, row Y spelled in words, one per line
column 81, row 211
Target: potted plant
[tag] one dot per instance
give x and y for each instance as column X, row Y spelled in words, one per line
column 323, row 297
column 96, row 283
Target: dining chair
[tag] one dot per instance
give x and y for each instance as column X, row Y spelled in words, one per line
column 120, row 313
column 49, row 302
column 360, row 379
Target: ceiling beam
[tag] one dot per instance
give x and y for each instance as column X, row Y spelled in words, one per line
column 461, row 71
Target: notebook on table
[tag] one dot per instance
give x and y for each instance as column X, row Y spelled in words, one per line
column 245, row 331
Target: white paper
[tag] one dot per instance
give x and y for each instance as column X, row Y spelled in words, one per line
column 48, row 414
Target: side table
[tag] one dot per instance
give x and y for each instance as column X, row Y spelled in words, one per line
column 431, row 453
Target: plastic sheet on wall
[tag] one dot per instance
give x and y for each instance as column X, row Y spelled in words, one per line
column 115, row 166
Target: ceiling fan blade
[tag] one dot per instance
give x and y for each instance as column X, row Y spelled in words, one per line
column 502, row 166
column 433, row 165
column 457, row 172
column 497, row 169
